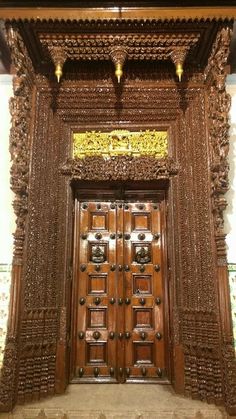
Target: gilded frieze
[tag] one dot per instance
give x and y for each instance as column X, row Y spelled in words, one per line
column 120, row 142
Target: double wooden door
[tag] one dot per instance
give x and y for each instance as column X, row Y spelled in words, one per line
column 120, row 331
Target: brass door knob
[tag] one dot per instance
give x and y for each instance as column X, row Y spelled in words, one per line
column 158, row 336
column 83, row 267
column 156, row 236
column 157, row 268
column 120, row 335
column 120, row 301
column 127, row 301
column 126, row 268
column 141, row 236
column 113, row 268
column 112, row 300
column 121, row 371
column 113, row 206
column 98, row 236
column 96, row 335
column 127, row 236
column 142, row 301
column 159, row 372
column 84, row 206
column 127, row 335
column 97, row 300
column 81, row 335
column 82, row 301
column 111, row 335
column 119, row 235
column 120, row 268
column 112, row 236
column 84, row 236
column 127, row 371
column 143, row 335
column 142, row 268
column 158, row 301
column 96, row 371
column 97, row 268
column 81, row 372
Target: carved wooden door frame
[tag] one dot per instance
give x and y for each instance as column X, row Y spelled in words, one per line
column 44, row 117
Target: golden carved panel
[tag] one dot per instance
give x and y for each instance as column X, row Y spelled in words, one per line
column 120, row 142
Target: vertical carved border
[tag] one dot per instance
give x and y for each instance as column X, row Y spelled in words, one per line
column 219, row 102
column 21, row 112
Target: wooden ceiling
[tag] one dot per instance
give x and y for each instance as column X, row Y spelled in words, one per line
column 149, row 44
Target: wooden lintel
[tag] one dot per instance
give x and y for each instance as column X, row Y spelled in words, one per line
column 118, row 13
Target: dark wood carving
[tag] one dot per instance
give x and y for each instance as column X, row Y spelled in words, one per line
column 218, row 111
column 195, row 113
column 20, row 108
column 120, row 168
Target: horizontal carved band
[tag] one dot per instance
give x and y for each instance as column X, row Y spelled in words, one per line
column 120, row 168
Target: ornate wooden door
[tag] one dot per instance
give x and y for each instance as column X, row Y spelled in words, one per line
column 119, row 331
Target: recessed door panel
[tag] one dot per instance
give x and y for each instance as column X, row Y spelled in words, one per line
column 119, row 284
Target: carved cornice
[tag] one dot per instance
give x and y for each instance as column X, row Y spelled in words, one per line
column 120, row 168
column 137, row 46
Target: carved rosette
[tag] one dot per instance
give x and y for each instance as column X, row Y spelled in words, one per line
column 20, row 108
column 218, row 111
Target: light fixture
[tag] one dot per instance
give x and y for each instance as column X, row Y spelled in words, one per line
column 118, row 55
column 178, row 56
column 58, row 56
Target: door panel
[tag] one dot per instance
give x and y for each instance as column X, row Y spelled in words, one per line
column 119, row 302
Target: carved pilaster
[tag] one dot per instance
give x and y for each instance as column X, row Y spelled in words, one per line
column 218, row 111
column 20, row 108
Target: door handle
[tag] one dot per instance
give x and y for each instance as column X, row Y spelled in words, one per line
column 127, row 301
column 127, row 335
column 126, row 268
column 142, row 301
column 120, row 301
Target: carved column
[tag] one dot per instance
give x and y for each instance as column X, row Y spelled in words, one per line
column 21, row 113
column 218, row 112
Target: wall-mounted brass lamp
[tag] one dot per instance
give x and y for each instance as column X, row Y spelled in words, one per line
column 58, row 57
column 178, row 56
column 118, row 55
